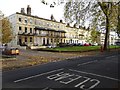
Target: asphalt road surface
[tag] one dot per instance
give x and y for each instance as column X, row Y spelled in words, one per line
column 100, row 71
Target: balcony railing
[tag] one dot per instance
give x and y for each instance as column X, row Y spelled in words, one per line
column 24, row 33
column 42, row 35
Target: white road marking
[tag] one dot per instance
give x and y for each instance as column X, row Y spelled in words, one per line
column 97, row 82
column 87, row 79
column 45, row 88
column 23, row 79
column 87, row 63
column 110, row 57
column 66, row 78
column 95, row 75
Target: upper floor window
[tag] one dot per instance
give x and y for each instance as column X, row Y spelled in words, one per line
column 31, row 21
column 25, row 39
column 20, row 20
column 25, row 29
column 26, row 21
column 37, row 22
column 47, row 24
column 30, row 39
column 20, row 28
column 55, row 25
column 51, row 24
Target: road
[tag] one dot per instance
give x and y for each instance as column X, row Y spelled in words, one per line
column 100, row 71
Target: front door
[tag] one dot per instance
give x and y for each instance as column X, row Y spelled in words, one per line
column 20, row 41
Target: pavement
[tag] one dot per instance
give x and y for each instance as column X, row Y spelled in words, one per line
column 85, row 73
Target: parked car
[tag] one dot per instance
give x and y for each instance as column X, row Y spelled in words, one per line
column 62, row 44
column 87, row 44
column 117, row 43
column 11, row 51
column 79, row 44
column 50, row 46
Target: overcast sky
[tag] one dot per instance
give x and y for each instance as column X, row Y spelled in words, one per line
column 9, row 7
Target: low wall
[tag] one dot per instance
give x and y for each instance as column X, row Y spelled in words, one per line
column 37, row 47
column 22, row 47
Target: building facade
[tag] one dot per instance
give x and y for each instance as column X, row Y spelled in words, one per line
column 33, row 30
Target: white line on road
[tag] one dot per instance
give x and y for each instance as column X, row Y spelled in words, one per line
column 110, row 57
column 23, row 79
column 87, row 63
column 95, row 75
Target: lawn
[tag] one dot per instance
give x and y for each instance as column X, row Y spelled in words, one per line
column 79, row 48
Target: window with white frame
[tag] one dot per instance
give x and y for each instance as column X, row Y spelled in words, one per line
column 26, row 20
column 31, row 21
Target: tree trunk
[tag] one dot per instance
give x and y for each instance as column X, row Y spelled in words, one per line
column 106, row 41
column 118, row 27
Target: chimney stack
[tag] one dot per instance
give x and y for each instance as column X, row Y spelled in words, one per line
column 61, row 21
column 68, row 24
column 74, row 25
column 28, row 10
column 22, row 10
column 52, row 17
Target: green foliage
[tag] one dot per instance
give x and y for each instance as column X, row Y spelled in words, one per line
column 95, row 36
column 6, row 31
column 76, row 11
column 78, row 48
column 118, row 17
column 101, row 15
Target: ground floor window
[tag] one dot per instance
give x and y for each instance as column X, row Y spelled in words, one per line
column 51, row 40
column 61, row 40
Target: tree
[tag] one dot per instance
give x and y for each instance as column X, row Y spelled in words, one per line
column 1, row 17
column 53, row 3
column 95, row 36
column 109, row 10
column 118, row 26
column 98, row 13
column 6, row 31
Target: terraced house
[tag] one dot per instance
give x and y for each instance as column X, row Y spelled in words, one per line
column 33, row 30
